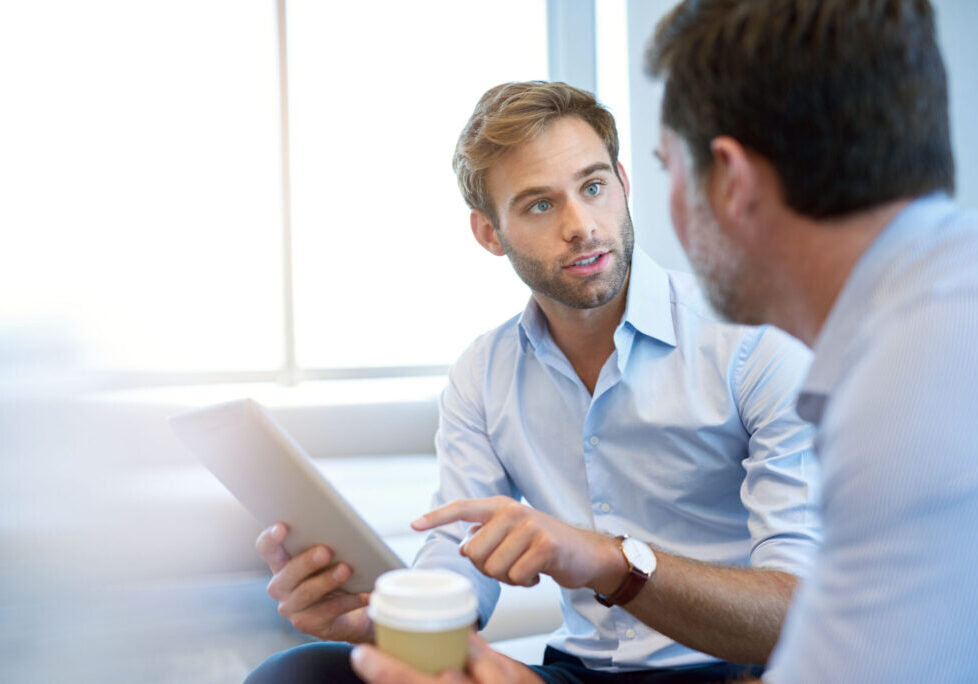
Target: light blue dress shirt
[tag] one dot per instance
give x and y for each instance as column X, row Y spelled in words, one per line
column 893, row 596
column 690, row 442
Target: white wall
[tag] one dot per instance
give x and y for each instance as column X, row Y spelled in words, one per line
column 957, row 21
column 650, row 205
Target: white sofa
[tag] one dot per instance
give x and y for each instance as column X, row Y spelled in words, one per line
column 139, row 540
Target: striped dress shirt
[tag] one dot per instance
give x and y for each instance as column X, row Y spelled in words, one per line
column 893, row 390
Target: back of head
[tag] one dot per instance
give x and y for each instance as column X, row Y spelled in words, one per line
column 512, row 113
column 846, row 98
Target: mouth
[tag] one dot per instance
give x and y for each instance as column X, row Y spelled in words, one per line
column 589, row 263
column 586, row 261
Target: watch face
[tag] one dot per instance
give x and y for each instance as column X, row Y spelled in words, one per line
column 639, row 554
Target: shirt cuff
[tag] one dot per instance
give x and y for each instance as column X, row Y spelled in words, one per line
column 795, row 556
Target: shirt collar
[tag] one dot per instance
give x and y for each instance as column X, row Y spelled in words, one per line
column 648, row 305
column 859, row 295
column 532, row 325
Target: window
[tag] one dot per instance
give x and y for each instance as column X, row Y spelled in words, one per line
column 143, row 180
column 144, row 197
column 386, row 270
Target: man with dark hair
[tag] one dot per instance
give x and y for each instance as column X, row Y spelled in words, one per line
column 807, row 146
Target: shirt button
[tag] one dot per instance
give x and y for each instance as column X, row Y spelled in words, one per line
column 629, row 633
column 594, row 441
column 605, row 508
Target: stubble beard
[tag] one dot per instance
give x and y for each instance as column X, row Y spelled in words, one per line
column 550, row 280
column 720, row 265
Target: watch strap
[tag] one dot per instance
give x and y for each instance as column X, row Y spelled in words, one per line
column 629, row 588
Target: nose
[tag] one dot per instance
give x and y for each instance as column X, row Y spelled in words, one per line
column 577, row 223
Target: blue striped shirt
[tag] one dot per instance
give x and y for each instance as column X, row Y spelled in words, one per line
column 690, row 441
column 893, row 389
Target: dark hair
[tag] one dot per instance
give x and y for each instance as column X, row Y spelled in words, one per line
column 846, row 98
column 512, row 113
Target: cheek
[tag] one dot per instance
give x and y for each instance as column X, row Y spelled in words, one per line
column 678, row 210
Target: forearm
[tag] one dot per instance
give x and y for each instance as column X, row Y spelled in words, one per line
column 732, row 613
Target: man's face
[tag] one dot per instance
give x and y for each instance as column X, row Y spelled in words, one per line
column 719, row 263
column 563, row 215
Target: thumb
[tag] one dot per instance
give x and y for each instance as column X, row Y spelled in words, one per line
column 372, row 666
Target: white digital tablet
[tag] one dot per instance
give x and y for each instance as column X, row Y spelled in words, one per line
column 275, row 479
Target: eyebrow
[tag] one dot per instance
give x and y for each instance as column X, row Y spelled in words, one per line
column 542, row 189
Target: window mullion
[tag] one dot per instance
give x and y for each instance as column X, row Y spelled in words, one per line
column 289, row 372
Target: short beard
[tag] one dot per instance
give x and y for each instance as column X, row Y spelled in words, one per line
column 547, row 280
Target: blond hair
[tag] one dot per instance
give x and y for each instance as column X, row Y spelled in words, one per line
column 512, row 113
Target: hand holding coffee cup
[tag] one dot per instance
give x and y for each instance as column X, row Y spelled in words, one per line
column 423, row 617
column 484, row 666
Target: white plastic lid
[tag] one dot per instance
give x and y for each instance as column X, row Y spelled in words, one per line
column 422, row 600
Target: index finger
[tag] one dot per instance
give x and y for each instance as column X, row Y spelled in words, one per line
column 469, row 510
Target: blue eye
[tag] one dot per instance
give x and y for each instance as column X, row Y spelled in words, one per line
column 540, row 206
column 592, row 189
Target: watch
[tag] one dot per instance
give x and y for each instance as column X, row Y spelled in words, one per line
column 641, row 565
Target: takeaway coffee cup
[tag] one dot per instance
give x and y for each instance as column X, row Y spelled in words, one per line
column 423, row 617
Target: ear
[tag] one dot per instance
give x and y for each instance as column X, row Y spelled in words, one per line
column 485, row 233
column 734, row 181
column 624, row 180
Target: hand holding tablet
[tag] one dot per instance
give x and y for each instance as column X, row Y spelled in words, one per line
column 268, row 472
column 307, row 589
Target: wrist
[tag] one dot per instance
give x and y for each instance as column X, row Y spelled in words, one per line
column 613, row 567
column 641, row 562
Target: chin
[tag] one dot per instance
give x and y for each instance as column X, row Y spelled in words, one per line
column 731, row 306
column 587, row 298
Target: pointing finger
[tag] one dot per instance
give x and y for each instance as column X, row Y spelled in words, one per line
column 469, row 510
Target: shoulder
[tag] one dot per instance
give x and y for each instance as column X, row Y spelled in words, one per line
column 937, row 264
column 919, row 359
column 486, row 353
column 492, row 344
column 901, row 426
column 920, row 312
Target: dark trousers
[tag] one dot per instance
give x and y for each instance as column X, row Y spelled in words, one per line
column 324, row 662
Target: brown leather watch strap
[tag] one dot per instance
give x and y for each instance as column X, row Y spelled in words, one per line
column 628, row 589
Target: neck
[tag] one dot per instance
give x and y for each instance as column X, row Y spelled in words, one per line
column 814, row 261
column 585, row 336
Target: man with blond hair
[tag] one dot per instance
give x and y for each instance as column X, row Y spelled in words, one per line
column 672, row 485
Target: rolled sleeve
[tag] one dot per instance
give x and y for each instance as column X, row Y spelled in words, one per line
column 780, row 490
